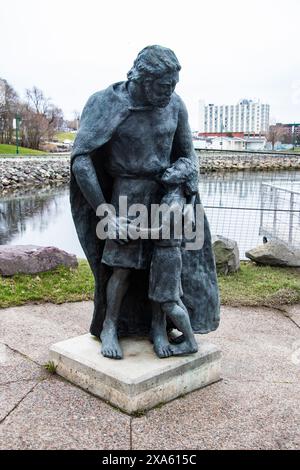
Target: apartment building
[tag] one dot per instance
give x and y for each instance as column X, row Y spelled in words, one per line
column 245, row 117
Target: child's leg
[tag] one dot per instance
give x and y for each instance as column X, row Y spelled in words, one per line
column 180, row 317
column 165, row 291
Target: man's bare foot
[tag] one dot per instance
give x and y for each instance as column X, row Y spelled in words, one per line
column 187, row 347
column 110, row 344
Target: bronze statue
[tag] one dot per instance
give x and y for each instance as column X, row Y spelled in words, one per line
column 134, row 140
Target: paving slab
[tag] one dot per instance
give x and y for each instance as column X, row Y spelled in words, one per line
column 257, row 344
column 58, row 415
column 226, row 415
column 14, row 367
column 11, row 394
column 254, row 407
column 293, row 311
column 32, row 329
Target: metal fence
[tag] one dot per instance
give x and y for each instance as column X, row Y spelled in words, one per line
column 280, row 214
column 242, row 206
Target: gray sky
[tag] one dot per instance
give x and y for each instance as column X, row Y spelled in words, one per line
column 228, row 49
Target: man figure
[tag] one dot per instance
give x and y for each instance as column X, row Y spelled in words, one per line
column 130, row 134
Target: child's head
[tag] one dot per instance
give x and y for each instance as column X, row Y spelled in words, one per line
column 183, row 171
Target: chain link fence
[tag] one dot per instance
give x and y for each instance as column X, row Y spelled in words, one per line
column 258, row 198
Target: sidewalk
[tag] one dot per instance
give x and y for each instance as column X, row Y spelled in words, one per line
column 255, row 406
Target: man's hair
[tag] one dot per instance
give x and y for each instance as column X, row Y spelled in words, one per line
column 153, row 62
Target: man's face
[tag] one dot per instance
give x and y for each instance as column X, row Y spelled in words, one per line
column 159, row 90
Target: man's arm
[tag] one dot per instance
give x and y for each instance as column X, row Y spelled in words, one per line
column 183, row 140
column 86, row 177
column 183, row 147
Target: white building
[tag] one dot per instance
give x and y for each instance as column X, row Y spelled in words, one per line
column 230, row 143
column 220, row 143
column 248, row 117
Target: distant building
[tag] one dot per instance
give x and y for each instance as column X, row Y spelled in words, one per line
column 246, row 117
column 230, row 143
column 292, row 130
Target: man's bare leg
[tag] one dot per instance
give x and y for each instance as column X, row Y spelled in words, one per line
column 179, row 316
column 116, row 289
column 158, row 333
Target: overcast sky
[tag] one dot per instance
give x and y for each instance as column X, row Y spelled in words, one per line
column 228, row 49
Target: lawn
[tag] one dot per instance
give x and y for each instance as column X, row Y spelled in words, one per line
column 251, row 286
column 257, row 285
column 7, row 149
column 57, row 286
column 61, row 136
column 295, row 150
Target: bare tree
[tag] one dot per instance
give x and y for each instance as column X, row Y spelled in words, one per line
column 40, row 118
column 74, row 123
column 276, row 133
column 37, row 100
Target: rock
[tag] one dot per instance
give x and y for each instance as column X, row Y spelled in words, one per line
column 31, row 259
column 226, row 254
column 274, row 253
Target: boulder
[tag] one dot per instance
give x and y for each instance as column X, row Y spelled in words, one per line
column 275, row 253
column 227, row 254
column 31, row 259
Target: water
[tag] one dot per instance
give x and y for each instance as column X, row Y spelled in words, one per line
column 232, row 201
column 39, row 217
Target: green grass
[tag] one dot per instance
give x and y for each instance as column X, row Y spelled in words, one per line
column 57, row 286
column 252, row 286
column 61, row 136
column 51, row 367
column 7, row 149
column 295, row 150
column 257, row 285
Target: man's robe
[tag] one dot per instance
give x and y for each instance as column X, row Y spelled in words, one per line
column 103, row 113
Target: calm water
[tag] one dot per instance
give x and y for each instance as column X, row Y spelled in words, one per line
column 232, row 201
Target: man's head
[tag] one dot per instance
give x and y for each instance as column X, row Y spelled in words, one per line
column 156, row 68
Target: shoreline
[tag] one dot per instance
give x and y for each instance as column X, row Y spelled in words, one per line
column 218, row 161
column 21, row 173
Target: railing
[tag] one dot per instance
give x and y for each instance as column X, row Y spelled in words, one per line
column 280, row 214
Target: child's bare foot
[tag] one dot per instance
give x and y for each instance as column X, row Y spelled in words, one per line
column 187, row 347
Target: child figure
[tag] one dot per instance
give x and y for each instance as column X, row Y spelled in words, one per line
column 166, row 265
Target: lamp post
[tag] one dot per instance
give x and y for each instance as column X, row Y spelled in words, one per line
column 294, row 135
column 221, row 143
column 18, row 120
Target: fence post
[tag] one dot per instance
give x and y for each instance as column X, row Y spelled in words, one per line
column 275, row 210
column 291, row 218
column 262, row 194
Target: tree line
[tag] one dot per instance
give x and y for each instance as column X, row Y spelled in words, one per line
column 39, row 120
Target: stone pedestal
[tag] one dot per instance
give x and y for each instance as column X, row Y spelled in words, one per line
column 141, row 380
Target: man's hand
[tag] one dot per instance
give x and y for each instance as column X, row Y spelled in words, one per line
column 180, row 172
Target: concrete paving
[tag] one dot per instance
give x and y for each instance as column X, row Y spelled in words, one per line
column 255, row 406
